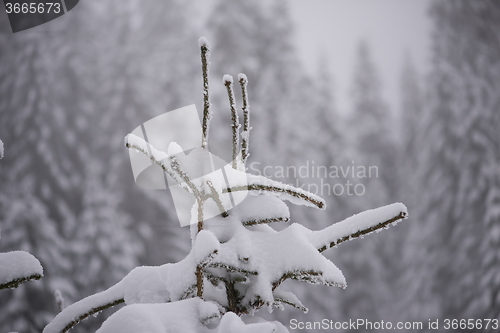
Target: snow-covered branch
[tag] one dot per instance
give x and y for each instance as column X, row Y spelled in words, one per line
column 228, row 82
column 158, row 157
column 359, row 225
column 1, row 149
column 245, row 135
column 17, row 267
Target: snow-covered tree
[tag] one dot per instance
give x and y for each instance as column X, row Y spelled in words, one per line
column 369, row 135
column 60, row 90
column 17, row 267
column 457, row 239
column 238, row 262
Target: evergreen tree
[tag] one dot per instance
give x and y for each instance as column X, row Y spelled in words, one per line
column 65, row 97
column 457, row 238
column 370, row 136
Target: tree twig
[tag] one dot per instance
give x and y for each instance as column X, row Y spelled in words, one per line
column 263, row 221
column 205, row 67
column 216, row 198
column 90, row 313
column 270, row 188
column 242, row 78
column 16, row 282
column 395, row 219
column 228, row 82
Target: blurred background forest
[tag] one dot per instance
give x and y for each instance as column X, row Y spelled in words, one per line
column 70, row 92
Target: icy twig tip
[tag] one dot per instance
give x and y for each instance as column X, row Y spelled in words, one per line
column 203, row 42
column 227, row 79
column 242, row 78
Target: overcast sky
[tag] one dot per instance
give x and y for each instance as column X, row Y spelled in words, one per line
column 391, row 27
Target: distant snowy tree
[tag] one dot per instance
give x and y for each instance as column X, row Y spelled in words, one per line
column 256, row 38
column 369, row 134
column 17, row 266
column 458, row 238
column 88, row 82
column 238, row 262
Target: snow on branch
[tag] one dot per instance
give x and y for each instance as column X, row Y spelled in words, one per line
column 205, row 67
column 145, row 284
column 17, row 267
column 187, row 316
column 262, row 209
column 245, row 135
column 134, row 142
column 287, row 297
column 359, row 225
column 228, row 82
column 1, row 149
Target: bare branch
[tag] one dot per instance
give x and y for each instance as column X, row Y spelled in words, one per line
column 228, row 82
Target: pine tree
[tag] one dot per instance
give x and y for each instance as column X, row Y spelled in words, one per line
column 370, row 136
column 238, row 262
column 59, row 90
column 460, row 211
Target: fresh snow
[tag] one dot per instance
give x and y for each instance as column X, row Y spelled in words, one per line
column 135, row 141
column 17, row 265
column 266, row 255
column 231, row 323
column 258, row 208
column 243, row 77
column 205, row 247
column 362, row 221
column 146, row 284
column 227, row 78
column 202, row 41
column 185, row 316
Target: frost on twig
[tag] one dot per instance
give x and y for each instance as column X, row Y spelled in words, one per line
column 228, row 82
column 216, row 198
column 58, row 297
column 205, row 67
column 134, row 142
column 261, row 185
column 18, row 267
column 245, row 135
column 265, row 221
column 287, row 297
